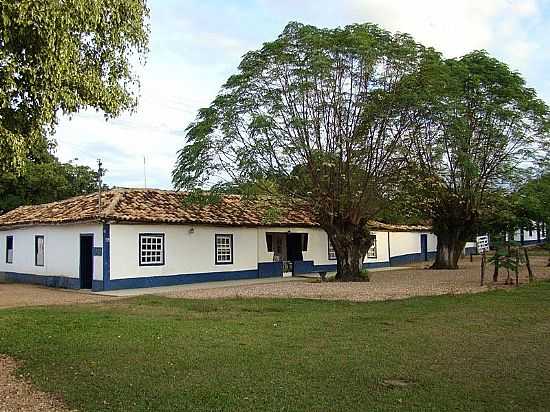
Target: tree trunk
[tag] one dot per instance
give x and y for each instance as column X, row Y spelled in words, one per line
column 350, row 248
column 449, row 250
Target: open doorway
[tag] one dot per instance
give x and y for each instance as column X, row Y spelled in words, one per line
column 86, row 267
column 287, row 248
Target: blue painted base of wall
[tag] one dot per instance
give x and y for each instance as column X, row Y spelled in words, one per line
column 265, row 270
column 171, row 280
column 410, row 258
column 52, row 281
column 270, row 269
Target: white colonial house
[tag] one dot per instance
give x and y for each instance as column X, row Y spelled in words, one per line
column 535, row 234
column 147, row 237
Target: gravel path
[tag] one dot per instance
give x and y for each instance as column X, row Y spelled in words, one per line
column 15, row 295
column 16, row 395
column 398, row 284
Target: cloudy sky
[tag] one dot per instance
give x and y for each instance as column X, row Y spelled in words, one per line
column 196, row 44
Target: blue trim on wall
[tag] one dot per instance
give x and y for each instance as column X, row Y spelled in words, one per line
column 303, row 267
column 270, row 269
column 52, row 281
column 171, row 280
column 105, row 283
column 375, row 265
column 410, row 258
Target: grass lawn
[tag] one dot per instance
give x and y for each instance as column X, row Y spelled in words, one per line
column 487, row 351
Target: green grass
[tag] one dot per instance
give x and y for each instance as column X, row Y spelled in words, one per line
column 487, row 351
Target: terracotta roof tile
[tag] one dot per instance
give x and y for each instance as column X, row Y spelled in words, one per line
column 163, row 206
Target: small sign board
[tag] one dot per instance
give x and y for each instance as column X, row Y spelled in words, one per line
column 482, row 243
column 97, row 251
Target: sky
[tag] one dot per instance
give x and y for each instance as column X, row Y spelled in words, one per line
column 195, row 45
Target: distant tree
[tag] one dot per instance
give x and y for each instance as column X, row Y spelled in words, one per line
column 322, row 113
column 45, row 179
column 62, row 56
column 481, row 125
column 532, row 200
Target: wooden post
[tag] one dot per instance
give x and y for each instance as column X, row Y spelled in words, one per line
column 497, row 262
column 482, row 268
column 531, row 274
column 471, row 257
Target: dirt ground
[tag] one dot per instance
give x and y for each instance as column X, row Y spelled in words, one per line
column 16, row 395
column 15, row 295
column 396, row 284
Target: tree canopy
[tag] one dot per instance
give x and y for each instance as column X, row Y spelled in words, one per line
column 322, row 112
column 42, row 179
column 357, row 119
column 60, row 57
column 482, row 124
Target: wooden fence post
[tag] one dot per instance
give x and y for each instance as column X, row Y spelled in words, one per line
column 482, row 267
column 531, row 274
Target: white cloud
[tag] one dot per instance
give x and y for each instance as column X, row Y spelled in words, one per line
column 192, row 56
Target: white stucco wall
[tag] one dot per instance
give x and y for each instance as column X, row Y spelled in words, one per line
column 529, row 237
column 185, row 252
column 382, row 252
column 61, row 250
column 432, row 242
column 404, row 243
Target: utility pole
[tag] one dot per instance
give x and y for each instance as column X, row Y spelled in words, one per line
column 144, row 174
column 100, row 172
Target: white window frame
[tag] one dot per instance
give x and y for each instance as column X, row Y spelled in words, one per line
column 37, row 261
column 151, row 250
column 372, row 252
column 331, row 251
column 223, row 248
column 9, row 256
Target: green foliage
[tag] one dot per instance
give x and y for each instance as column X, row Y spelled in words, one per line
column 481, row 126
column 43, row 181
column 533, row 200
column 319, row 113
column 272, row 214
column 60, row 57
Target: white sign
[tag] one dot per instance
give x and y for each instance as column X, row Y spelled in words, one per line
column 482, row 243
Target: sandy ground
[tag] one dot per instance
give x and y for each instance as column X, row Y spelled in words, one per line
column 15, row 294
column 384, row 285
column 16, row 395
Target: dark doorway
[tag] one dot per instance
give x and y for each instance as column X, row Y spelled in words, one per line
column 294, row 247
column 86, row 261
column 424, row 247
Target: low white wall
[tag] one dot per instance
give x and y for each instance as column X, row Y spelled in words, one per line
column 382, row 250
column 61, row 250
column 432, row 242
column 185, row 252
column 404, row 243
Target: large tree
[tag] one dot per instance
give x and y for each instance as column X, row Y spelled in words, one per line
column 482, row 124
column 59, row 57
column 323, row 113
column 43, row 178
